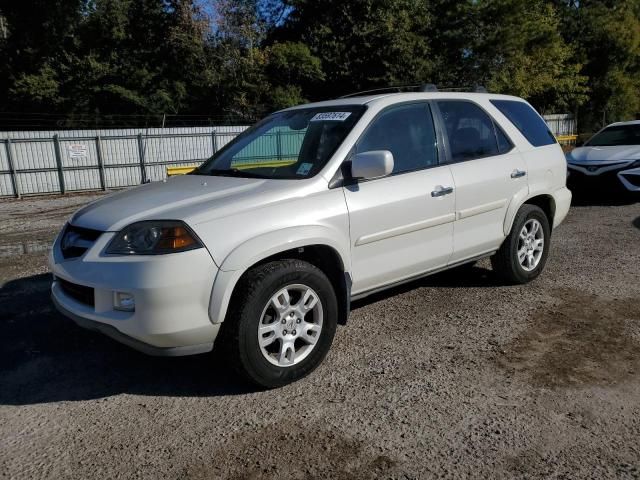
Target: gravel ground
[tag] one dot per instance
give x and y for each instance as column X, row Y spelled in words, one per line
column 456, row 375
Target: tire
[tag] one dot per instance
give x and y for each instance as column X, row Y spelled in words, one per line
column 289, row 356
column 508, row 263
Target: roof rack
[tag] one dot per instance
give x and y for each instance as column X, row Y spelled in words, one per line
column 391, row 89
column 422, row 87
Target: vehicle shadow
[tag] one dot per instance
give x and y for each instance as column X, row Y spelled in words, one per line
column 583, row 198
column 636, row 223
column 461, row 277
column 44, row 357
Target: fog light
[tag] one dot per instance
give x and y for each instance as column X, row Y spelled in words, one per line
column 124, row 301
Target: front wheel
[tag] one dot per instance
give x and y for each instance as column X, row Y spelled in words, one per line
column 281, row 323
column 523, row 255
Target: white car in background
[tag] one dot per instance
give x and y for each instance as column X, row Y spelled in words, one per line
column 611, row 158
column 263, row 247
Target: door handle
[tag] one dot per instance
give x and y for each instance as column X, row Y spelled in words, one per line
column 440, row 191
column 518, row 173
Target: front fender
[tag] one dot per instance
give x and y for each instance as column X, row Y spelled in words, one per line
column 266, row 245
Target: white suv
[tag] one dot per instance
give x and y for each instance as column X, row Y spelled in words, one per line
column 263, row 247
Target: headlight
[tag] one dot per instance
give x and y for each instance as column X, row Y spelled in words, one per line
column 153, row 237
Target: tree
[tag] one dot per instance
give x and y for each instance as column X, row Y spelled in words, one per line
column 38, row 33
column 518, row 49
column 244, row 58
column 107, row 56
column 362, row 43
column 606, row 36
column 291, row 69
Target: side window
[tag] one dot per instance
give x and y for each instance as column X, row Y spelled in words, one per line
column 470, row 130
column 525, row 118
column 407, row 131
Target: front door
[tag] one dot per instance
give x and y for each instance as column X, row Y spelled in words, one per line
column 401, row 225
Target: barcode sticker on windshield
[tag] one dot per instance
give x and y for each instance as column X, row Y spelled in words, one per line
column 331, row 116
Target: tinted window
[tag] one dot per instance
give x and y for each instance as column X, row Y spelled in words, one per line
column 470, row 130
column 407, row 132
column 504, row 144
column 617, row 135
column 525, row 118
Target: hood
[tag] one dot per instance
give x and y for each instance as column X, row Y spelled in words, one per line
column 605, row 154
column 191, row 198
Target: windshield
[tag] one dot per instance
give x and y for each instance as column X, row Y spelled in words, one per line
column 616, row 135
column 293, row 144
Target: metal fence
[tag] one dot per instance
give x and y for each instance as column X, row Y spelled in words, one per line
column 562, row 124
column 84, row 160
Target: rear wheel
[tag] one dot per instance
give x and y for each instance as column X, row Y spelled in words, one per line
column 281, row 322
column 523, row 254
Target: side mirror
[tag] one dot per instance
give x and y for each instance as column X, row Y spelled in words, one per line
column 373, row 164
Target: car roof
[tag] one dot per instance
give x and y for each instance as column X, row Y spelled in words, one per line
column 402, row 97
column 630, row 122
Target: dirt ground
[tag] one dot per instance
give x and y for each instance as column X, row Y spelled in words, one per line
column 456, row 375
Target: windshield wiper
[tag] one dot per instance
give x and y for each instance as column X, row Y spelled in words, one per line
column 231, row 172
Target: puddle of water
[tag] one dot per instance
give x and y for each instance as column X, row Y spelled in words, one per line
column 24, row 248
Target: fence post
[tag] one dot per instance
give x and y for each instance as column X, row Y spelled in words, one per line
column 12, row 169
column 141, row 156
column 278, row 145
column 103, row 184
column 56, row 145
column 214, row 142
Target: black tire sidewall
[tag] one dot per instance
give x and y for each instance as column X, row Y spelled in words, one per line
column 258, row 368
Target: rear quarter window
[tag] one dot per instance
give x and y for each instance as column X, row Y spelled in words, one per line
column 527, row 120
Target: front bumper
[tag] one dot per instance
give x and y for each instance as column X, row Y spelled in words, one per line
column 603, row 177
column 172, row 294
column 630, row 179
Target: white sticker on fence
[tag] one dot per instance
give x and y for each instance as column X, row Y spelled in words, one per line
column 330, row 116
column 77, row 150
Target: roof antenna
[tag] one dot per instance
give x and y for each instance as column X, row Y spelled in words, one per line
column 428, row 87
column 480, row 89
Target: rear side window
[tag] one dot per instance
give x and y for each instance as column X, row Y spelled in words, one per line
column 525, row 118
column 471, row 131
column 407, row 131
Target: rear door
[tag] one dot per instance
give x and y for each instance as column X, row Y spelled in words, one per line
column 398, row 228
column 488, row 174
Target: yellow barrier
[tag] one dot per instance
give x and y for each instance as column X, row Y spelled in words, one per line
column 567, row 138
column 171, row 171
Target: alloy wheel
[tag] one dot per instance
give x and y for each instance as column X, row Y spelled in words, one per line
column 290, row 325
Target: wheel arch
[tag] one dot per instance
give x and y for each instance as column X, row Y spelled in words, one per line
column 327, row 253
column 546, row 202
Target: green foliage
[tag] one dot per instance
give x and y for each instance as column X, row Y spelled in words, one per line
column 606, row 35
column 363, row 43
column 39, row 88
column 519, row 50
column 243, row 58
